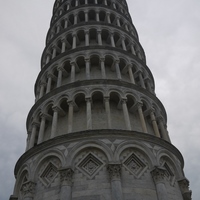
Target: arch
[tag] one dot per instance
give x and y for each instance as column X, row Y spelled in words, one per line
column 89, row 144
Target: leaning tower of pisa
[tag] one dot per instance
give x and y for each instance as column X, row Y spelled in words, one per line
column 97, row 131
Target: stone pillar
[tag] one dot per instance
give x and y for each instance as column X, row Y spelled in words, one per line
column 148, row 85
column 99, row 37
column 86, row 16
column 75, row 19
column 70, row 116
column 50, row 76
column 154, row 123
column 112, row 40
column 58, row 29
column 66, row 183
column 142, row 120
column 131, row 74
column 66, row 23
column 123, row 43
column 54, row 52
column 103, row 71
column 42, row 128
column 184, row 186
column 28, row 190
column 42, row 87
column 28, row 140
column 72, row 72
column 108, row 18
column 87, row 70
column 118, row 22
column 114, row 171
column 48, row 58
column 158, row 175
column 35, row 125
column 126, row 114
column 105, row 2
column 133, row 49
column 89, row 113
column 87, row 42
column 107, row 107
column 97, row 16
column 141, row 80
column 54, row 121
column 118, row 69
column 163, row 130
column 60, row 74
column 63, row 46
column 76, row 3
column 126, row 27
column 74, row 41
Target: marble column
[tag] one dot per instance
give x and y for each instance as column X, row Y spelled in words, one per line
column 42, row 128
column 50, row 77
column 42, row 87
column 99, row 37
column 142, row 120
column 158, row 175
column 74, row 41
column 75, row 19
column 184, row 187
column 108, row 18
column 126, row 114
column 118, row 69
column 54, row 52
column 66, row 23
column 70, row 116
column 133, row 49
column 112, row 39
column 86, row 16
column 114, row 171
column 131, row 74
column 66, row 183
column 154, row 123
column 48, row 57
column 87, row 42
column 163, row 129
column 63, row 45
column 118, row 22
column 107, row 107
column 123, row 43
column 103, row 70
column 141, row 80
column 89, row 113
column 87, row 68
column 54, row 121
column 60, row 74
column 72, row 71
column 97, row 16
column 35, row 125
column 28, row 190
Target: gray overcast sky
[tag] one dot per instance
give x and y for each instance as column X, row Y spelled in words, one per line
column 169, row 32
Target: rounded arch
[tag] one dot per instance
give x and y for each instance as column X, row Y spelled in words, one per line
column 89, row 144
column 137, row 146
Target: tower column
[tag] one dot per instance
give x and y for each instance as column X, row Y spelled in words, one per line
column 112, row 40
column 158, row 175
column 48, row 57
column 131, row 74
column 118, row 22
column 74, row 41
column 63, row 45
column 154, row 123
column 86, row 16
column 114, row 171
column 72, row 72
column 89, row 113
column 99, row 37
column 87, row 42
column 42, row 127
column 54, row 52
column 87, row 70
column 50, row 76
column 42, row 87
column 66, row 183
column 118, row 69
column 35, row 125
column 142, row 120
column 66, row 23
column 97, row 16
column 60, row 74
column 123, row 43
column 133, row 49
column 70, row 116
column 103, row 71
column 108, row 18
column 54, row 121
column 141, row 80
column 126, row 114
column 163, row 130
column 107, row 107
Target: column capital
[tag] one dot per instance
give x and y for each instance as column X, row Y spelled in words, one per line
column 56, row 109
column 60, row 68
column 158, row 175
column 102, row 59
column 66, row 176
column 184, row 186
column 42, row 84
column 35, row 124
column 28, row 189
column 106, row 98
column 114, row 171
column 123, row 100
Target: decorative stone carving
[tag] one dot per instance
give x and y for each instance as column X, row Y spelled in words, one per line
column 66, row 176
column 90, row 165
column 28, row 189
column 114, row 171
column 184, row 186
column 49, row 174
column 134, row 165
column 158, row 175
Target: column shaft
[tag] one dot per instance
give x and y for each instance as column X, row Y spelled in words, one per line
column 154, row 123
column 54, row 122
column 103, row 71
column 87, row 70
column 70, row 116
column 59, row 80
column 89, row 113
column 131, row 74
column 142, row 120
column 41, row 131
column 107, row 107
column 33, row 136
column 126, row 115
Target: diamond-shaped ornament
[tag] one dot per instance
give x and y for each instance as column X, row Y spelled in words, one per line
column 90, row 165
column 135, row 166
